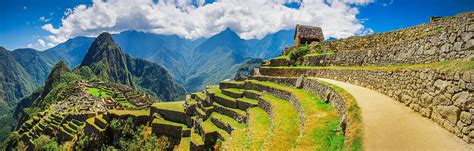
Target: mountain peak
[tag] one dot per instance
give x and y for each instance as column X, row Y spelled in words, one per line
column 57, row 73
column 228, row 33
column 107, row 60
column 105, row 36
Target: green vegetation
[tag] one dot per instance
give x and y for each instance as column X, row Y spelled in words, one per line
column 135, row 137
column 354, row 130
column 130, row 112
column 312, row 105
column 259, row 125
column 209, row 127
column 175, row 106
column 285, row 127
column 166, row 122
column 44, row 142
column 97, row 92
column 239, row 133
column 235, row 90
column 296, row 56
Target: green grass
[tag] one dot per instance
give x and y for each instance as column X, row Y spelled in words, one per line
column 127, row 104
column 316, row 115
column 237, row 139
column 354, row 129
column 259, row 124
column 209, row 127
column 97, row 92
column 184, row 144
column 165, row 122
column 240, row 112
column 248, row 100
column 283, row 57
column 235, row 90
column 285, row 127
column 130, row 112
column 446, row 66
column 175, row 106
column 90, row 121
column 196, row 138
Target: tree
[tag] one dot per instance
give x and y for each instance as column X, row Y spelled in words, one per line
column 44, row 142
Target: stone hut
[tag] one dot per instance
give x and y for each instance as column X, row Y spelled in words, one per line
column 306, row 34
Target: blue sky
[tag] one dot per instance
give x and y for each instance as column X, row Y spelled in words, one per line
column 23, row 21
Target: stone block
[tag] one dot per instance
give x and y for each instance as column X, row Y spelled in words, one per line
column 463, row 100
column 466, row 117
column 451, row 113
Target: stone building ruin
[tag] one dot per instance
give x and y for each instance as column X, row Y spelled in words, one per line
column 305, row 34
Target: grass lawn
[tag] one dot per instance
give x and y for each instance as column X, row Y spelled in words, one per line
column 175, row 106
column 285, row 127
column 209, row 127
column 97, row 92
column 319, row 118
column 126, row 103
column 259, row 124
column 130, row 112
column 235, row 90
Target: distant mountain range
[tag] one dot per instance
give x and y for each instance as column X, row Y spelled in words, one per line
column 190, row 62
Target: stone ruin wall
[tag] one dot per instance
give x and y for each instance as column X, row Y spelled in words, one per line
column 447, row 39
column 445, row 97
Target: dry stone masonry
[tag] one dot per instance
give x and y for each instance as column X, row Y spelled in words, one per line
column 443, row 95
column 446, row 39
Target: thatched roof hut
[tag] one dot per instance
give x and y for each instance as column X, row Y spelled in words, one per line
column 306, row 34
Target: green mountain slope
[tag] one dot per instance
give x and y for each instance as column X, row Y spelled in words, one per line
column 107, row 60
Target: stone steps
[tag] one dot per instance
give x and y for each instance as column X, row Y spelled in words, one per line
column 210, row 133
column 233, row 92
column 245, row 103
column 173, row 129
column 236, row 114
column 231, row 84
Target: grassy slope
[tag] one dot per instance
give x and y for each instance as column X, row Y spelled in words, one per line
column 321, row 120
column 258, row 128
column 175, row 106
column 285, row 127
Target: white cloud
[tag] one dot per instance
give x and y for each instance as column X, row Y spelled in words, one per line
column 44, row 19
column 390, row 2
column 192, row 19
column 41, row 42
column 40, row 45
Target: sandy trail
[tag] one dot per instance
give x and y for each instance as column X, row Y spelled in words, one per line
column 389, row 125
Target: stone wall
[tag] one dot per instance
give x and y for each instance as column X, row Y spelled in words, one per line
column 446, row 97
column 447, row 39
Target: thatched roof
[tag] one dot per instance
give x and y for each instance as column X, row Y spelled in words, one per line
column 309, row 32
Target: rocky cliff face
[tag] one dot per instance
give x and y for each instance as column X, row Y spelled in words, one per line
column 155, row 79
column 107, row 60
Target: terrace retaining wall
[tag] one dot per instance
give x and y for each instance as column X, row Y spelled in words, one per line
column 447, row 39
column 446, row 97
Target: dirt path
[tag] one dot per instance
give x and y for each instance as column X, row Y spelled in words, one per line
column 389, row 125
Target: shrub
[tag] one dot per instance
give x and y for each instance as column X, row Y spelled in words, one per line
column 296, row 56
column 44, row 142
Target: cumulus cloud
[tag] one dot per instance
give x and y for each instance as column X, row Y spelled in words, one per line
column 41, row 42
column 194, row 19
